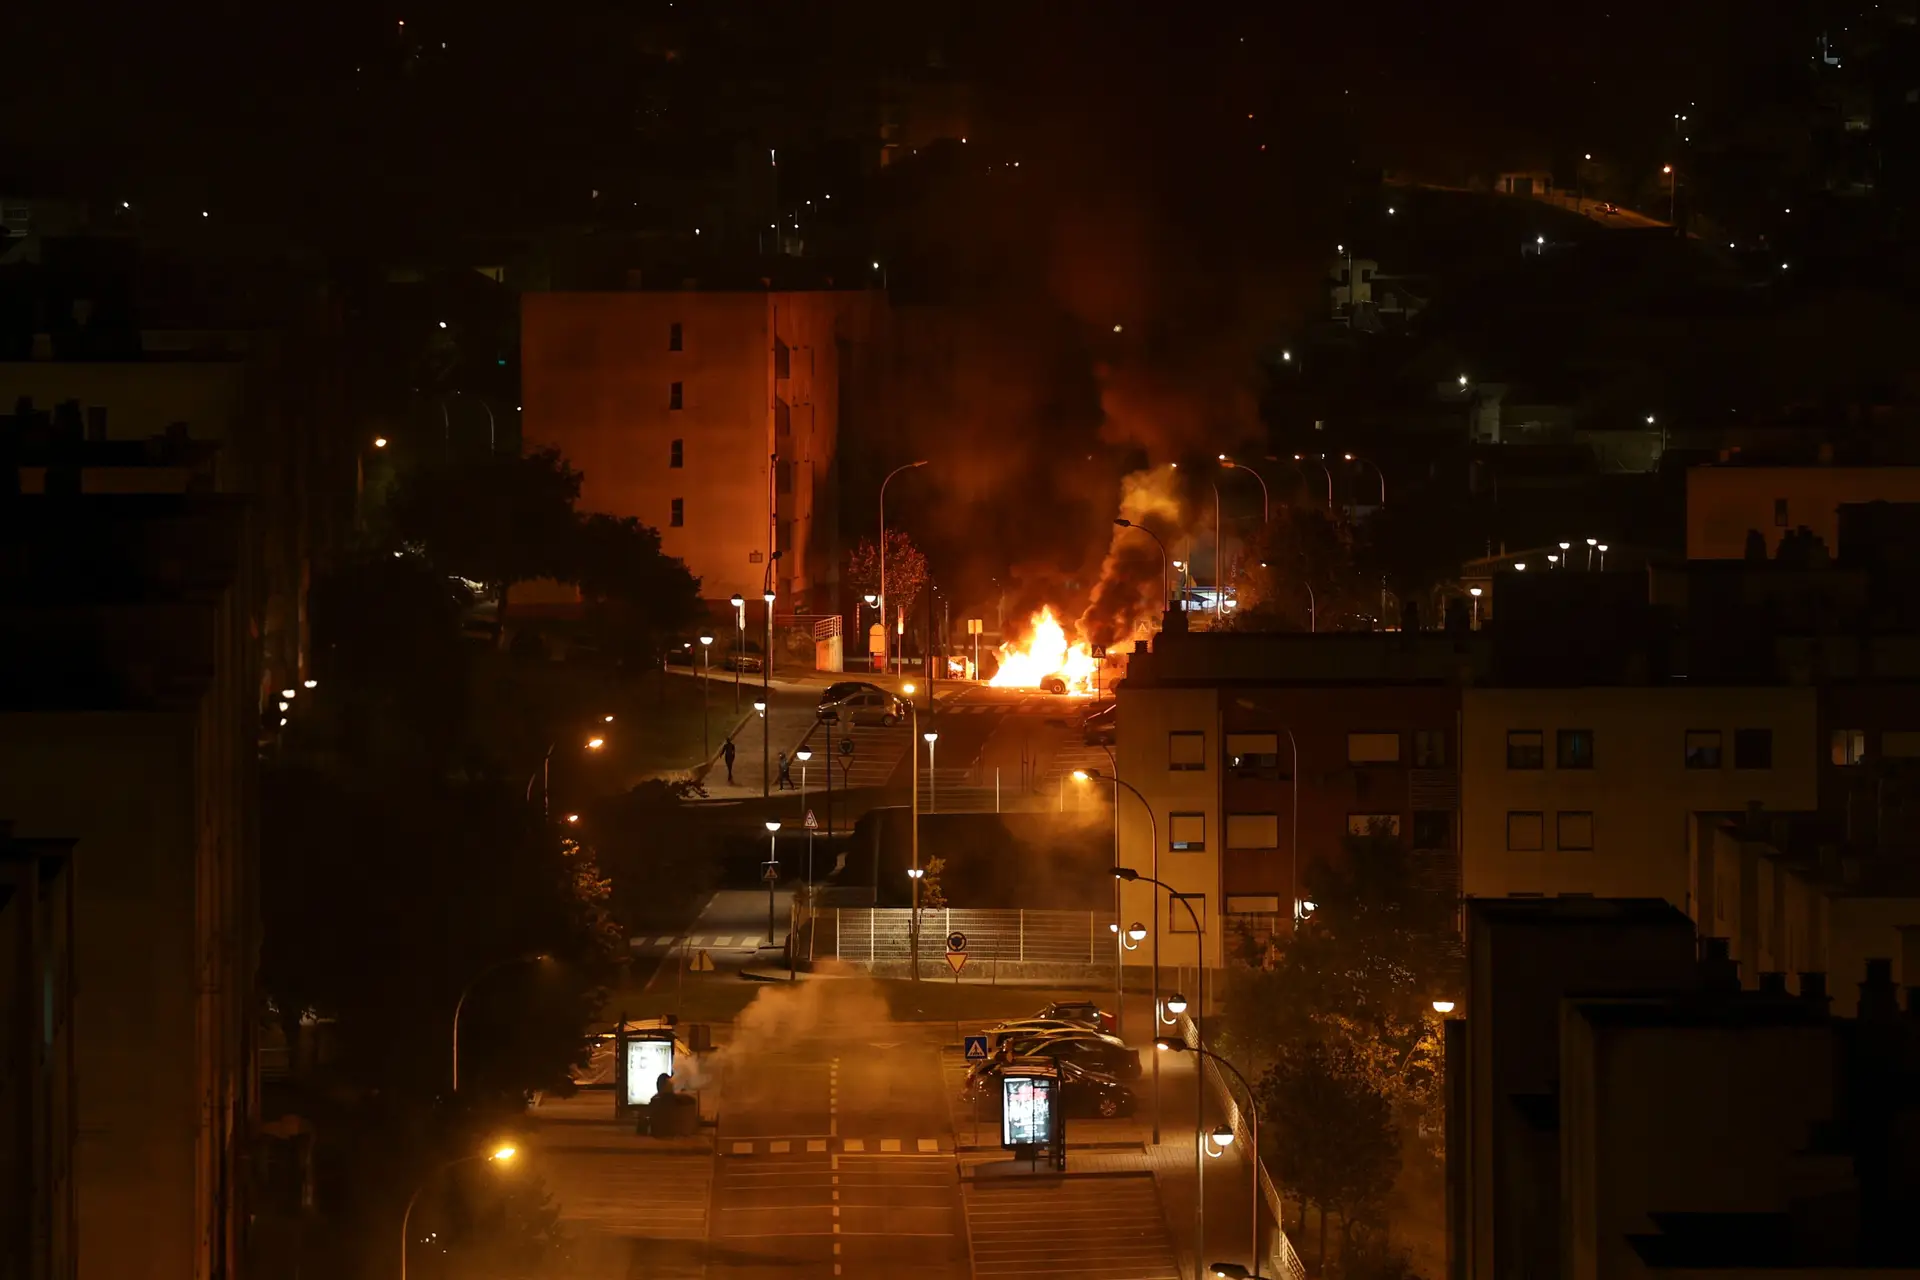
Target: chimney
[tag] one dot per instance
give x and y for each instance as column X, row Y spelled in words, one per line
column 1813, row 991
column 1773, row 984
column 1879, row 999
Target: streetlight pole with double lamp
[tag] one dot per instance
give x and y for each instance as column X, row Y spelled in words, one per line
column 1169, row 1044
column 499, row 1155
column 886, row 653
column 1153, row 836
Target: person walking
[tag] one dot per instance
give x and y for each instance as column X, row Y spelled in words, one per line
column 786, row 773
column 727, row 753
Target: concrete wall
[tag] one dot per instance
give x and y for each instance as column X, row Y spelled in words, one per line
column 1639, row 791
column 1724, row 502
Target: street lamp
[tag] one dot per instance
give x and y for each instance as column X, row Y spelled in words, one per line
column 594, row 744
column 1153, row 837
column 379, row 442
column 1166, row 583
column 1443, row 1006
column 459, row 1004
column 1475, row 593
column 803, row 755
column 766, row 695
column 914, row 871
column 773, row 870
column 933, row 779
column 882, row 605
column 1199, row 1095
column 1602, row 548
column 1368, row 462
column 501, row 1154
column 1319, row 461
column 573, row 819
column 739, row 603
column 1266, row 504
column 706, row 679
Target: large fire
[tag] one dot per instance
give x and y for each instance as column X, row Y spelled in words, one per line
column 1043, row 654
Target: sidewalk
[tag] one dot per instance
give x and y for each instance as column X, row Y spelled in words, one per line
column 788, row 719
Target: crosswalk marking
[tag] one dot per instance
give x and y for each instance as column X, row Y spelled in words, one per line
column 853, row 1144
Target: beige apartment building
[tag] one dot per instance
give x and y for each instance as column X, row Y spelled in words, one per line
column 1591, row 790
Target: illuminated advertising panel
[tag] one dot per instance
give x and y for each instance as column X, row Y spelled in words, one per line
column 647, row 1061
column 1026, row 1110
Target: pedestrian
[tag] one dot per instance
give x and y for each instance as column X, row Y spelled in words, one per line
column 786, row 773
column 727, row 753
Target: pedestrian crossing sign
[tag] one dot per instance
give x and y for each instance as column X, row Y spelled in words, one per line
column 976, row 1048
column 813, row 824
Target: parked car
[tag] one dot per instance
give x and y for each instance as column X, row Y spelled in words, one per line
column 842, row 689
column 1054, row 684
column 1083, row 1092
column 1085, row 1012
column 743, row 662
column 1026, row 1028
column 1101, row 726
column 1103, row 1053
column 870, row 706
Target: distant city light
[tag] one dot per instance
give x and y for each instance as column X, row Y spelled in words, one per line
column 205, row 214
column 379, row 442
column 1463, row 379
column 310, row 684
column 443, row 324
column 1116, row 328
column 1389, row 211
column 125, row 205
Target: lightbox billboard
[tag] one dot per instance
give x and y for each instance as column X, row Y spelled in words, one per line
column 1026, row 1110
column 647, row 1060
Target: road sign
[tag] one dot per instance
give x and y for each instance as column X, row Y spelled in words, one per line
column 956, row 961
column 702, row 962
column 773, row 871
column 976, row 1048
column 1100, row 651
column 813, row 823
column 956, row 941
column 846, row 746
column 976, row 625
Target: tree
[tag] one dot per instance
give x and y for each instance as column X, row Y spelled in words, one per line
column 906, row 572
column 1337, row 1145
column 638, row 594
column 499, row 519
column 1299, row 574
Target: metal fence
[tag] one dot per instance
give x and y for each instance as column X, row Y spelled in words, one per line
column 1284, row 1261
column 883, row 935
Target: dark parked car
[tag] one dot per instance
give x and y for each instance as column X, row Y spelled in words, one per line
column 1082, row 1092
column 1084, row 1012
column 743, row 662
column 868, row 706
column 1101, row 727
column 1108, row 1055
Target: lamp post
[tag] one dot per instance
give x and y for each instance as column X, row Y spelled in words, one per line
column 860, row 627
column 1475, row 593
column 499, row 1155
column 1153, row 835
column 1177, row 1004
column 1266, row 504
column 773, row 870
column 1319, row 461
column 933, row 779
column 803, row 755
column 913, row 866
column 1168, row 1044
column 1602, row 548
column 1166, row 581
column 545, row 772
column 706, row 680
column 886, row 653
column 739, row 603
column 760, row 709
column 1219, row 570
column 766, row 695
column 1368, row 462
column 467, row 990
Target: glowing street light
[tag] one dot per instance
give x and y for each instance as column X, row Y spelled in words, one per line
column 594, row 744
column 379, row 442
column 1443, row 1006
column 502, row 1154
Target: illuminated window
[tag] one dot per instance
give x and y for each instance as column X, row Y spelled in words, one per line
column 1186, row 832
column 1253, row 831
column 1187, row 751
column 679, row 517
column 1526, row 829
column 673, row 337
column 1526, row 749
column 675, row 396
column 674, row 454
column 1703, row 749
column 1373, row 824
column 1849, row 746
column 1573, row 830
column 1373, row 748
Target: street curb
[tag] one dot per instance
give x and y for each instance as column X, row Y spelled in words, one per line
column 1054, row 1175
column 1071, row 1146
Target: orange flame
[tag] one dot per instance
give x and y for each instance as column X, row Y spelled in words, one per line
column 1046, row 653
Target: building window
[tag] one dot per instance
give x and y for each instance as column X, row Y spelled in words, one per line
column 1573, row 748
column 675, row 397
column 1900, row 744
column 1373, row 824
column 1572, row 830
column 1186, row 832
column 1753, row 748
column 675, row 457
column 1432, row 748
column 673, row 336
column 1526, row 830
column 1703, row 749
column 1849, row 746
column 1178, row 921
column 1253, row 831
column 1779, row 513
column 1187, row 751
column 1433, row 828
column 1373, row 748
column 1254, row 755
column 679, row 516
column 1526, row 749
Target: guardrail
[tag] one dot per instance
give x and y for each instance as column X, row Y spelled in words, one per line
column 883, row 935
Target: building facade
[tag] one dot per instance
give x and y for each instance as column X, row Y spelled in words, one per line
column 1726, row 503
column 713, row 417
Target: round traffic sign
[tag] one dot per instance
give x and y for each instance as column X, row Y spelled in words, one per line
column 846, row 746
column 956, row 941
